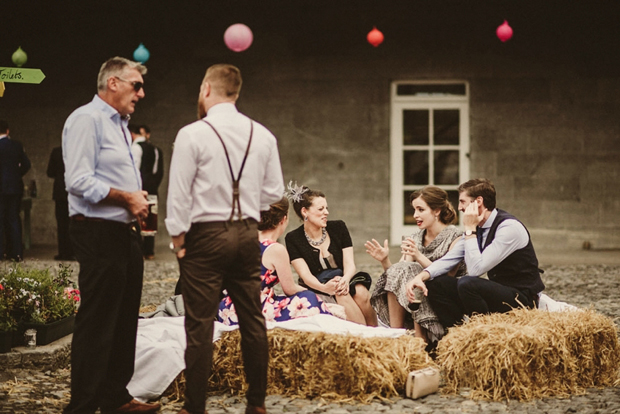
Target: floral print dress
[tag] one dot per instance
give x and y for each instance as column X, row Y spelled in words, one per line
column 275, row 308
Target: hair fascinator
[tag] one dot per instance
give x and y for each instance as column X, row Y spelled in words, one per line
column 294, row 192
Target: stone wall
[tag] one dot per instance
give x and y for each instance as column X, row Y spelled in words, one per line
column 544, row 106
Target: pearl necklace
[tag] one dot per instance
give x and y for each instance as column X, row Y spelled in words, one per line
column 316, row 243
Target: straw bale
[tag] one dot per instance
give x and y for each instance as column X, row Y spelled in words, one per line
column 148, row 308
column 529, row 354
column 331, row 366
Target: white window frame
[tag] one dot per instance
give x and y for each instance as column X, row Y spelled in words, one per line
column 430, row 102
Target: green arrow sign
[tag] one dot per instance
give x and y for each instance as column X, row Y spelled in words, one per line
column 19, row 75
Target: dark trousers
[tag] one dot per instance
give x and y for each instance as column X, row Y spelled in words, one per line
column 485, row 296
column 104, row 338
column 65, row 250
column 11, row 242
column 452, row 298
column 220, row 256
column 148, row 245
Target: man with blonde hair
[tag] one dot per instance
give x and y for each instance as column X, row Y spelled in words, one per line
column 105, row 199
column 225, row 170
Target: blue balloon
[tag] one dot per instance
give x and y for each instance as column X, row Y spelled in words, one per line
column 141, row 54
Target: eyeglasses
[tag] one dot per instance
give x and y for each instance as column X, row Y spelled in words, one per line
column 136, row 85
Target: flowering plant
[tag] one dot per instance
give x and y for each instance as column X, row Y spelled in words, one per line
column 35, row 296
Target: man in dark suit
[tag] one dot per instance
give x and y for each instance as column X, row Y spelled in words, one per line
column 56, row 170
column 13, row 165
column 149, row 160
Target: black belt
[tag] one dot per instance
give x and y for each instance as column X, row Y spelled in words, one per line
column 215, row 224
column 83, row 218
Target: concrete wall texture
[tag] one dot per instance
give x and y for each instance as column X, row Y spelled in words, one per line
column 544, row 122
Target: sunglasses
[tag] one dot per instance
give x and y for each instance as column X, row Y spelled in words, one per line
column 136, row 85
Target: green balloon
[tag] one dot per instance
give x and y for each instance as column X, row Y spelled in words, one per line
column 19, row 57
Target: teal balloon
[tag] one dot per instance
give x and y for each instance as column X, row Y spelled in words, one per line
column 141, row 54
column 19, row 57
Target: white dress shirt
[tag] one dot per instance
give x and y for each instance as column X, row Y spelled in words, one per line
column 510, row 236
column 200, row 185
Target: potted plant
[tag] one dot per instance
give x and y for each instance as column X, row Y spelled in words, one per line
column 36, row 299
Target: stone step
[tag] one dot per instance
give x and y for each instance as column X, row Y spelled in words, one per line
column 52, row 356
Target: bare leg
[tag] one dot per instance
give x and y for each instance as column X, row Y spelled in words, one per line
column 354, row 314
column 362, row 299
column 397, row 313
column 420, row 332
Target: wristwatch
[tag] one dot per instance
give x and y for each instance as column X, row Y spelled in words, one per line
column 177, row 249
column 469, row 232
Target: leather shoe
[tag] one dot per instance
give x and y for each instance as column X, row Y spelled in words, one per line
column 250, row 409
column 135, row 406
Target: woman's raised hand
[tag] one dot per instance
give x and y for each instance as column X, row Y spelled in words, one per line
column 409, row 248
column 378, row 252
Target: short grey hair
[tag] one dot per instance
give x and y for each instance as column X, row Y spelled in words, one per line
column 115, row 67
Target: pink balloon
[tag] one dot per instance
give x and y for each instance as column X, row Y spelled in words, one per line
column 238, row 37
column 504, row 32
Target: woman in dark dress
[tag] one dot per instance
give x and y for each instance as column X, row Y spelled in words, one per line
column 321, row 252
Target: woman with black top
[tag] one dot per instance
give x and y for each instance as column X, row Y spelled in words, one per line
column 321, row 252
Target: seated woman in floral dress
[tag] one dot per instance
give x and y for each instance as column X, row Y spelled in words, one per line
column 275, row 268
column 321, row 252
column 434, row 216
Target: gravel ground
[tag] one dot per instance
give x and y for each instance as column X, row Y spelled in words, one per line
column 596, row 286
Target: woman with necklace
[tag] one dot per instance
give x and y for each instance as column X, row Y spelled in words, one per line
column 321, row 252
column 298, row 302
column 434, row 215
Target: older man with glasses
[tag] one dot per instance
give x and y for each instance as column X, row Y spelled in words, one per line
column 105, row 199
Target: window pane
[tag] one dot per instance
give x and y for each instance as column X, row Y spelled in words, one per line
column 430, row 89
column 415, row 167
column 446, row 126
column 446, row 167
column 415, row 127
column 408, row 210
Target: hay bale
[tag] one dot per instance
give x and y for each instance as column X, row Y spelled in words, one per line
column 310, row 365
column 527, row 354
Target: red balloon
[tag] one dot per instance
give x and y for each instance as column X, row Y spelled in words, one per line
column 238, row 37
column 375, row 37
column 504, row 32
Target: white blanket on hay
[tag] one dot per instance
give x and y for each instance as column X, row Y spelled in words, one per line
column 160, row 344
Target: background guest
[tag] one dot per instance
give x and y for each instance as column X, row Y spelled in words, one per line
column 56, row 170
column 14, row 164
column 149, row 160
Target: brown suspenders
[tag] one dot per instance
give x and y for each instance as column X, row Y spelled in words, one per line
column 235, row 201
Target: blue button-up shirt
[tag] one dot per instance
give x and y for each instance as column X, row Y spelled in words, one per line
column 96, row 147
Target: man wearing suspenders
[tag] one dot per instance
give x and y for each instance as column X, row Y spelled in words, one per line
column 225, row 169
